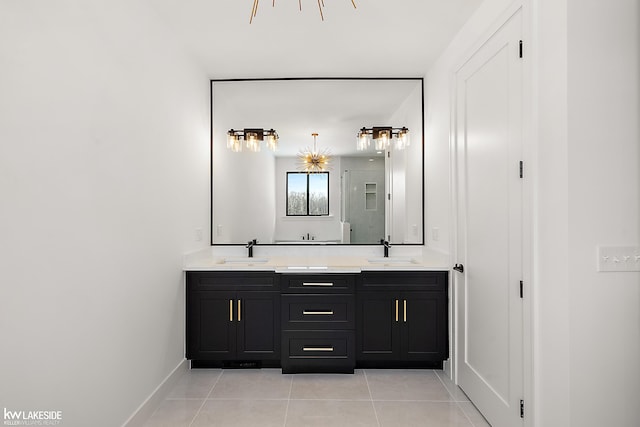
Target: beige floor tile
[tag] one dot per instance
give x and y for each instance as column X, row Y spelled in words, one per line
column 242, row 413
column 175, row 413
column 420, row 414
column 473, row 414
column 330, row 413
column 400, row 384
column 330, row 386
column 252, row 384
column 195, row 383
column 454, row 390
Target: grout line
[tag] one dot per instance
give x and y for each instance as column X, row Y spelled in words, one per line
column 457, row 402
column 206, row 398
column 371, row 397
column 286, row 411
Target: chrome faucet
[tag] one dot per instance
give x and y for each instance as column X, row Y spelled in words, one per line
column 386, row 247
column 250, row 246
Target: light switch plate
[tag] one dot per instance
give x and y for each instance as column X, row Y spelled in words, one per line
column 618, row 258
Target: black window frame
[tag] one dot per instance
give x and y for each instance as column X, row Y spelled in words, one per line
column 308, row 198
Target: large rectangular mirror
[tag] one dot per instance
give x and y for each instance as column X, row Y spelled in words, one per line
column 360, row 196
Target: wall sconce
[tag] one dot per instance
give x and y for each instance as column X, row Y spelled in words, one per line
column 383, row 136
column 252, row 139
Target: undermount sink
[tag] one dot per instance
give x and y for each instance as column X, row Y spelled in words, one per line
column 244, row 260
column 392, row 260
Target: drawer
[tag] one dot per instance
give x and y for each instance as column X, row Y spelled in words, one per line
column 393, row 280
column 319, row 311
column 318, row 351
column 236, row 280
column 318, row 283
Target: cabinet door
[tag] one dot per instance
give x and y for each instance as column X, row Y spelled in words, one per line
column 258, row 323
column 378, row 326
column 424, row 326
column 211, row 326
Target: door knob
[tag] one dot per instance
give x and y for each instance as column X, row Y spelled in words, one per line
column 459, row 268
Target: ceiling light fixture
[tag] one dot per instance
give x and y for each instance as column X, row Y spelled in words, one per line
column 383, row 136
column 252, row 138
column 254, row 9
column 311, row 161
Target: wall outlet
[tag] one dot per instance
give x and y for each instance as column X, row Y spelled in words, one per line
column 435, row 234
column 618, row 258
column 219, row 230
column 199, row 234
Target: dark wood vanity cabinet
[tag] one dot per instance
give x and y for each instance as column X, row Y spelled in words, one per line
column 318, row 323
column 402, row 319
column 232, row 318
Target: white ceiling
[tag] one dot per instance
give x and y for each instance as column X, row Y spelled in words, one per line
column 381, row 38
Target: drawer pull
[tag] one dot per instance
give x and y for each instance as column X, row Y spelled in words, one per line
column 239, row 318
column 396, row 310
column 230, row 310
column 317, row 348
column 405, row 310
column 316, row 284
column 309, row 312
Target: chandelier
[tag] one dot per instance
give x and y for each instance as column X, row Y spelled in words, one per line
column 311, row 161
column 383, row 138
column 254, row 10
column 252, row 139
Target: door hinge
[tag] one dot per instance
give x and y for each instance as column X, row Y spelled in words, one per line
column 521, row 289
column 388, row 196
column 521, row 169
column 520, row 48
column 521, row 408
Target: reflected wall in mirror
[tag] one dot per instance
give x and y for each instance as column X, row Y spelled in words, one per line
column 373, row 194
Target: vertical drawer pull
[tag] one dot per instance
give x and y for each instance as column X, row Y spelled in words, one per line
column 315, row 312
column 239, row 318
column 396, row 310
column 230, row 310
column 317, row 284
column 317, row 348
column 405, row 311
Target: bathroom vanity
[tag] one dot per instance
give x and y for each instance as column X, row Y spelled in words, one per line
column 316, row 320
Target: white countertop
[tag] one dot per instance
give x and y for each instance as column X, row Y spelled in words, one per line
column 212, row 260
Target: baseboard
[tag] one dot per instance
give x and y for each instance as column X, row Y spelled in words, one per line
column 148, row 407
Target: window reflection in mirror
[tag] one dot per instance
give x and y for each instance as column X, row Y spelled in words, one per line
column 367, row 195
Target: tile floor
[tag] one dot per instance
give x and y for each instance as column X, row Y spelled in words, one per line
column 266, row 397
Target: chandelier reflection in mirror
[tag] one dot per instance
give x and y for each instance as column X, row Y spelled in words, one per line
column 252, row 138
column 384, row 137
column 254, row 9
column 311, row 161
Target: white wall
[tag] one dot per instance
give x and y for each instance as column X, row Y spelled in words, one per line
column 603, row 202
column 408, row 225
column 104, row 179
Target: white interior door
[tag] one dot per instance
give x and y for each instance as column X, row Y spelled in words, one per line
column 488, row 152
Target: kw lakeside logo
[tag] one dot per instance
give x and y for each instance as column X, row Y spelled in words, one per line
column 32, row 418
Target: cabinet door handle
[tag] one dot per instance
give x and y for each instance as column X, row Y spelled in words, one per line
column 313, row 312
column 396, row 310
column 230, row 310
column 405, row 310
column 239, row 317
column 317, row 348
column 316, row 284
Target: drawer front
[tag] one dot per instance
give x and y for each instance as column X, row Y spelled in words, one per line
column 394, row 280
column 318, row 283
column 232, row 280
column 318, row 351
column 318, row 311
